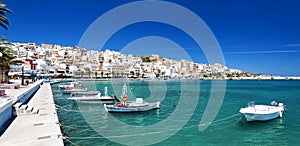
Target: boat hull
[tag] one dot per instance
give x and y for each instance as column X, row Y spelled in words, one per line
column 85, row 93
column 94, row 99
column 262, row 117
column 126, row 109
column 72, row 91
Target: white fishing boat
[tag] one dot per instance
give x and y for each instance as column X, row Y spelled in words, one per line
column 75, row 89
column 131, row 106
column 263, row 112
column 96, row 98
column 66, row 86
column 88, row 92
column 69, row 85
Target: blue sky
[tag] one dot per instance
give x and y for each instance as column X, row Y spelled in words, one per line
column 255, row 36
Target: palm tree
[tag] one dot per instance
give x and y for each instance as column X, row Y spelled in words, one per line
column 6, row 59
column 113, row 74
column 96, row 74
column 102, row 74
column 6, row 53
column 3, row 20
column 107, row 73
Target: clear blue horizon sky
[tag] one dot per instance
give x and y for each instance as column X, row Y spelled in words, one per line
column 255, row 36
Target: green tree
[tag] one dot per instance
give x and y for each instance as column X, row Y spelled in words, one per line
column 113, row 74
column 6, row 60
column 107, row 74
column 96, row 74
column 6, row 53
column 145, row 58
column 102, row 74
column 157, row 75
column 229, row 75
column 81, row 73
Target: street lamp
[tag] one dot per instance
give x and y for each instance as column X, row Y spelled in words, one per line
column 22, row 78
column 1, row 66
column 32, row 76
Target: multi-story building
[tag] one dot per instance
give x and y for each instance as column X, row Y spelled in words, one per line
column 56, row 59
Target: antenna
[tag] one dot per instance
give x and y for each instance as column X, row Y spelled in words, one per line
column 124, row 90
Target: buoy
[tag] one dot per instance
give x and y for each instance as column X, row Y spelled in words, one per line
column 124, row 98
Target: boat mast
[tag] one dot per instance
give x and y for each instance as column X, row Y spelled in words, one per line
column 124, row 90
column 124, row 97
column 105, row 91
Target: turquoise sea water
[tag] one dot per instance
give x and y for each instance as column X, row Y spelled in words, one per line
column 89, row 124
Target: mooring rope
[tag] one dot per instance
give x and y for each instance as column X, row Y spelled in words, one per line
column 69, row 110
column 220, row 121
column 75, row 128
column 71, row 142
column 237, row 120
column 119, row 136
column 59, row 98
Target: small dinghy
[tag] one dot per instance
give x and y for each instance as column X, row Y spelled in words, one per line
column 263, row 112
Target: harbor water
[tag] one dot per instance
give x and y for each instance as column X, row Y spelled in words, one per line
column 184, row 107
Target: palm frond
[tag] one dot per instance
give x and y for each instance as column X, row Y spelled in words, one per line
column 2, row 4
column 16, row 62
column 2, row 25
column 5, row 10
column 5, row 49
column 2, row 38
column 4, row 19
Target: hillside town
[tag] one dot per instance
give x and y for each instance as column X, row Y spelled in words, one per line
column 56, row 61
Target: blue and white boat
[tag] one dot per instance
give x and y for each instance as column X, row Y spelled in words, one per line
column 131, row 106
column 263, row 112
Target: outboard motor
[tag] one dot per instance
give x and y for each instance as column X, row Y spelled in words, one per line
column 282, row 105
column 273, row 103
column 251, row 104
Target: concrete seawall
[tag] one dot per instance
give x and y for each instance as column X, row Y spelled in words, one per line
column 38, row 129
column 5, row 112
column 15, row 95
